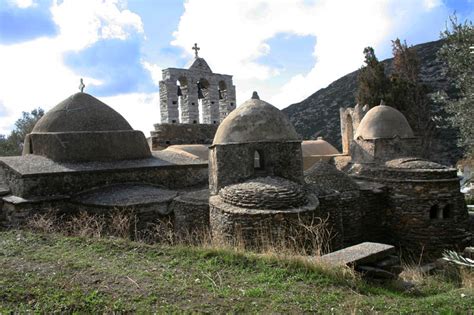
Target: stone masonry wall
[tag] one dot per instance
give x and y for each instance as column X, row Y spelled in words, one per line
column 170, row 134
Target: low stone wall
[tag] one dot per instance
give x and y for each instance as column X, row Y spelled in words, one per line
column 191, row 214
column 373, row 204
column 260, row 228
column 165, row 135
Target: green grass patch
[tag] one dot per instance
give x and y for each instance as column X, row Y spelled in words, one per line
column 53, row 273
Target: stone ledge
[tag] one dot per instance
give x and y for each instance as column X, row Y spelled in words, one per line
column 363, row 253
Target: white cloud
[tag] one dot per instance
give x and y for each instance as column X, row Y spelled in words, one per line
column 84, row 22
column 33, row 73
column 139, row 109
column 23, row 4
column 233, row 34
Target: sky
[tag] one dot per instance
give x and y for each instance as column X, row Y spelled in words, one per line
column 284, row 49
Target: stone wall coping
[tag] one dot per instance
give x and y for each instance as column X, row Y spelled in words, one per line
column 35, row 165
column 444, row 180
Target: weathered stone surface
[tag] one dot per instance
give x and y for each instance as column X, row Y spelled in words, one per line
column 254, row 228
column 31, row 175
column 165, row 135
column 215, row 91
column 383, row 122
column 82, row 128
column 264, row 193
column 363, row 253
column 191, row 214
column 81, row 112
column 255, row 120
column 123, row 196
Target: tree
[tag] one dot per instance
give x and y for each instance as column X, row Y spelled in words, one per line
column 373, row 84
column 409, row 95
column 13, row 144
column 459, row 37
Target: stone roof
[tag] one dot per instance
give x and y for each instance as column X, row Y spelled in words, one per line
column 82, row 128
column 264, row 193
column 200, row 151
column 81, row 112
column 324, row 178
column 200, row 64
column 255, row 121
column 413, row 163
column 317, row 147
column 383, row 122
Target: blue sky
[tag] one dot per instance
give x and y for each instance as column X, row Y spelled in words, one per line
column 285, row 49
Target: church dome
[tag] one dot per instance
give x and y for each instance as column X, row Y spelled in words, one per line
column 81, row 112
column 383, row 122
column 255, row 121
column 324, row 179
column 82, row 129
column 270, row 193
column 317, row 147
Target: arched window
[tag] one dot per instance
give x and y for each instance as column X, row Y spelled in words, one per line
column 447, row 213
column 435, row 212
column 258, row 161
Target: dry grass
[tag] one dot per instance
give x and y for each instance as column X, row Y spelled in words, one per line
column 300, row 240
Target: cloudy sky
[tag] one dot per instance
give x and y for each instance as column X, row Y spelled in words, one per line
column 284, row 49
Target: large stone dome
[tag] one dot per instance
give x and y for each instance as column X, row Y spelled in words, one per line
column 383, row 122
column 81, row 112
column 255, row 121
column 81, row 129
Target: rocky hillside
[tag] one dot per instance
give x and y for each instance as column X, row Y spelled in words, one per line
column 318, row 115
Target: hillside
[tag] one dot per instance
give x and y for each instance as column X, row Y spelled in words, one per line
column 318, row 115
column 51, row 273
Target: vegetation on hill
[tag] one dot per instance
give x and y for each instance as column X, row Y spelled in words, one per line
column 401, row 89
column 13, row 143
column 456, row 52
column 448, row 99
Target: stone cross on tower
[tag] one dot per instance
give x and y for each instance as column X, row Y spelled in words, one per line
column 82, row 86
column 196, row 48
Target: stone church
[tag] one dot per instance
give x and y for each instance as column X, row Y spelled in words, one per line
column 240, row 170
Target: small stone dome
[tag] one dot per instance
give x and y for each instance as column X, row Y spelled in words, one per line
column 317, row 147
column 324, row 178
column 254, row 121
column 265, row 193
column 81, row 112
column 383, row 122
column 83, row 129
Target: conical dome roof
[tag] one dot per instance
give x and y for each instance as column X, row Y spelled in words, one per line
column 325, row 178
column 383, row 122
column 254, row 121
column 81, row 112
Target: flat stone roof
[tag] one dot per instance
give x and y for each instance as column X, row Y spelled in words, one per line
column 33, row 165
column 125, row 195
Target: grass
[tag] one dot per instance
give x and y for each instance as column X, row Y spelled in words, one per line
column 46, row 272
